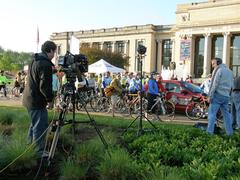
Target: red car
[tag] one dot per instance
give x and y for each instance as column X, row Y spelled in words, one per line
column 180, row 93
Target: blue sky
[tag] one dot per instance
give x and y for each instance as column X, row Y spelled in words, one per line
column 19, row 18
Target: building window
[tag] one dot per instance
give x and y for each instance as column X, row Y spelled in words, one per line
column 95, row 45
column 235, row 54
column 166, row 53
column 217, row 46
column 108, row 46
column 85, row 45
column 199, row 56
column 120, row 47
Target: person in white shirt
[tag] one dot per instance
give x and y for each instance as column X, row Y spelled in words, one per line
column 205, row 86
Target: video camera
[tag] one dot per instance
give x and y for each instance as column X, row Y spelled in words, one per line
column 73, row 65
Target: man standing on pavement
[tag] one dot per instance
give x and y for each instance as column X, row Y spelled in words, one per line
column 236, row 103
column 38, row 93
column 219, row 95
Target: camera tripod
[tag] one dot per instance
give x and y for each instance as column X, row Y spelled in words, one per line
column 69, row 96
column 141, row 114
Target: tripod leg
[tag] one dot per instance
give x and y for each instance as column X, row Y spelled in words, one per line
column 93, row 123
column 149, row 121
column 54, row 145
column 130, row 124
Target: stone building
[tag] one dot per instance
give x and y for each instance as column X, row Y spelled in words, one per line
column 202, row 31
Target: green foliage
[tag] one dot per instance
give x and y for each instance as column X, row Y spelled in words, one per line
column 165, row 173
column 6, row 117
column 71, row 170
column 13, row 61
column 196, row 154
column 94, row 54
column 118, row 166
column 15, row 147
column 89, row 153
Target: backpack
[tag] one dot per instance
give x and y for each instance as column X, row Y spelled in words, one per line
column 108, row 91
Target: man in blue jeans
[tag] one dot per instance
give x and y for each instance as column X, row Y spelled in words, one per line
column 38, row 93
column 236, row 103
column 219, row 95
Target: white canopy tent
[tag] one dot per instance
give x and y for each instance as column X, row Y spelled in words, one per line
column 103, row 66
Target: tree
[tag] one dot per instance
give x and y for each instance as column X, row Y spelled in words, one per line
column 94, row 54
column 1, row 50
column 13, row 61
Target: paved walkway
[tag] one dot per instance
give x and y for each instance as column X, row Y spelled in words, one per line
column 178, row 119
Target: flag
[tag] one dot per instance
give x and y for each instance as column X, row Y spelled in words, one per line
column 37, row 38
column 37, row 35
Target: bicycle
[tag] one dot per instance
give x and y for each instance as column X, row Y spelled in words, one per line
column 162, row 109
column 197, row 109
column 83, row 98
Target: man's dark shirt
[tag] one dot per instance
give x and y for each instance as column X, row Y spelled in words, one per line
column 38, row 90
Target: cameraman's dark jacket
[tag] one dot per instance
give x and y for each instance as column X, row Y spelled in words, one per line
column 38, row 90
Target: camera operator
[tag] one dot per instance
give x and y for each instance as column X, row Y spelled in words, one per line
column 38, row 93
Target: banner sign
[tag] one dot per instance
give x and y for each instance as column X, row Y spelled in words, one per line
column 185, row 49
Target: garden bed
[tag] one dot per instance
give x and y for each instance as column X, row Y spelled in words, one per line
column 171, row 152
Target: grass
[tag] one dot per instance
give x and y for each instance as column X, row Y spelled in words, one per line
column 118, row 165
column 87, row 157
column 12, row 148
column 164, row 172
column 71, row 170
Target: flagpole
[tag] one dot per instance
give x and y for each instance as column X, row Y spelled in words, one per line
column 37, row 38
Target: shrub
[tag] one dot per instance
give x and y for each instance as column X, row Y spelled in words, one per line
column 16, row 147
column 71, row 170
column 6, row 118
column 118, row 166
column 89, row 153
column 164, row 172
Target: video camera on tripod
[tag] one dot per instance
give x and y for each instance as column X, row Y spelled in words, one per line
column 73, row 65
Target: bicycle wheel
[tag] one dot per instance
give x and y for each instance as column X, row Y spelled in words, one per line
column 93, row 104
column 103, row 104
column 15, row 92
column 165, row 111
column 121, row 106
column 195, row 111
column 135, row 108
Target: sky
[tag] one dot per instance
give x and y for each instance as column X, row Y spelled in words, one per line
column 19, row 19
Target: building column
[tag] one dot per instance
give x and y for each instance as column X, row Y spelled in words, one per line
column 113, row 46
column 207, row 54
column 126, row 43
column 192, row 55
column 91, row 44
column 173, row 50
column 101, row 45
column 226, row 48
column 159, row 55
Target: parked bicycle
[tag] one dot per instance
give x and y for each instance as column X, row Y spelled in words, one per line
column 198, row 109
column 162, row 109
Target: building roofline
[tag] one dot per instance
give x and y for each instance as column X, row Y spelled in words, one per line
column 148, row 28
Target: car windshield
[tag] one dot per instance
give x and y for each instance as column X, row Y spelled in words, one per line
column 193, row 88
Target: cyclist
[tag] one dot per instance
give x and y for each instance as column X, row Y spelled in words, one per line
column 3, row 83
column 152, row 91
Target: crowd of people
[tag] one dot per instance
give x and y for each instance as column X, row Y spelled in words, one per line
column 18, row 83
column 44, row 81
column 219, row 88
